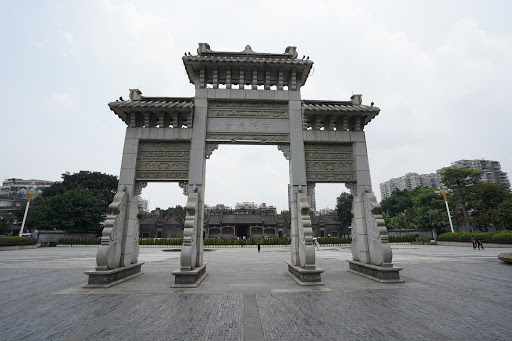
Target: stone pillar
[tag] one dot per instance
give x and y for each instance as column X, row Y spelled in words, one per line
column 196, row 180
column 117, row 256
column 129, row 245
column 360, row 245
column 302, row 250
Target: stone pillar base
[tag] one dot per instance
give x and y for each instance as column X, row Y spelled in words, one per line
column 108, row 278
column 189, row 279
column 304, row 277
column 377, row 273
column 505, row 257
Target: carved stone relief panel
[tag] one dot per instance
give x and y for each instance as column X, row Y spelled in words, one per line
column 223, row 137
column 329, row 162
column 163, row 161
column 270, row 110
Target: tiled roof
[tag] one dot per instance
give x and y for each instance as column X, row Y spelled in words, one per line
column 148, row 220
column 245, row 59
column 233, row 219
column 163, row 103
column 333, row 106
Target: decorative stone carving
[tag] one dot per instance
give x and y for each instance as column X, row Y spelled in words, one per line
column 250, row 114
column 352, row 186
column 248, row 137
column 330, row 177
column 240, row 107
column 188, row 249
column 330, row 166
column 184, row 186
column 285, row 148
column 379, row 249
column 163, row 161
column 161, row 176
column 210, row 147
column 329, row 162
column 109, row 252
column 306, row 247
column 311, row 186
column 139, row 185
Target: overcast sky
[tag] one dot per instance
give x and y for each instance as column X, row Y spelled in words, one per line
column 440, row 71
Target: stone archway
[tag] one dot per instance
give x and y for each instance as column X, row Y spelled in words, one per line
column 169, row 139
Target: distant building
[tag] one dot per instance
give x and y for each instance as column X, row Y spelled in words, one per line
column 226, row 223
column 492, row 173
column 245, row 205
column 18, row 189
column 492, row 170
column 409, row 181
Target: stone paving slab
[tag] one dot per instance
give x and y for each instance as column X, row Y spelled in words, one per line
column 450, row 293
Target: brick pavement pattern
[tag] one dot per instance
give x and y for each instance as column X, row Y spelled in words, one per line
column 450, row 293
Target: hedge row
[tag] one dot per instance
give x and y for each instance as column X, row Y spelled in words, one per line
column 80, row 241
column 14, row 241
column 250, row 241
column 161, row 241
column 501, row 236
column 406, row 238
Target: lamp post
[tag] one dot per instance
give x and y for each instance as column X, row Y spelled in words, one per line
column 443, row 192
column 26, row 211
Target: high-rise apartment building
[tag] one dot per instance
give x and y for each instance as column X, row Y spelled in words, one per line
column 409, row 181
column 492, row 173
column 492, row 170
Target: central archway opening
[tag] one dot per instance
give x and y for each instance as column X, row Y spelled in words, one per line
column 246, row 189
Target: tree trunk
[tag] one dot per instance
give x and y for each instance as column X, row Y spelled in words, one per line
column 466, row 218
column 434, row 234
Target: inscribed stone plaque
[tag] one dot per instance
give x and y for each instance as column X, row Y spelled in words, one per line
column 329, row 162
column 238, row 121
column 163, row 161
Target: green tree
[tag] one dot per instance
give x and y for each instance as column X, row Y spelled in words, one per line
column 78, row 203
column 344, row 209
column 428, row 198
column 76, row 209
column 505, row 214
column 486, row 203
column 461, row 182
column 397, row 202
column 104, row 185
column 6, row 220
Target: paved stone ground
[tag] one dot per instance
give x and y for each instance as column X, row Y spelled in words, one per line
column 450, row 293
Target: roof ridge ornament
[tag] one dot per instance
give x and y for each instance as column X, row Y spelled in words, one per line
column 290, row 52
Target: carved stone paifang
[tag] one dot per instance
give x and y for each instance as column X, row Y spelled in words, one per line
column 163, row 161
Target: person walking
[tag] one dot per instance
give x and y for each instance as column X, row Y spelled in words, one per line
column 479, row 242
column 259, row 246
column 474, row 242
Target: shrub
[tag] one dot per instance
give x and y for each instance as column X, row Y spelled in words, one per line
column 502, row 237
column 476, row 235
column 13, row 240
column 79, row 241
column 450, row 236
column 408, row 237
column 334, row 240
